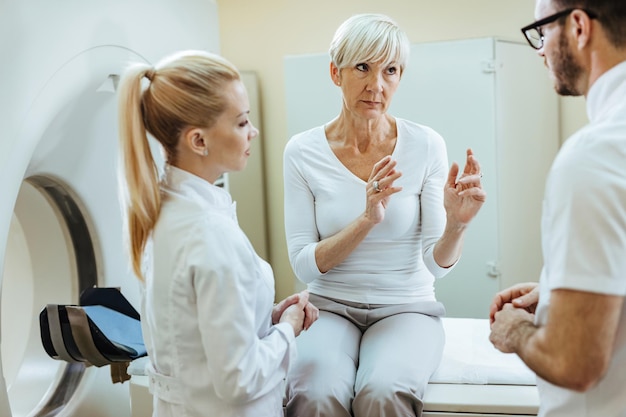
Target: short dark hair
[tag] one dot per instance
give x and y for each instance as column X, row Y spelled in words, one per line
column 610, row 13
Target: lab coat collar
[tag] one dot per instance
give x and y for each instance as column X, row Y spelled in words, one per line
column 177, row 180
column 607, row 93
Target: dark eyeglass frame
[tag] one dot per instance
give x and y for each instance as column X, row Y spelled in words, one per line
column 549, row 19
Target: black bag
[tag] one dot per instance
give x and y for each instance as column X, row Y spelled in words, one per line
column 96, row 332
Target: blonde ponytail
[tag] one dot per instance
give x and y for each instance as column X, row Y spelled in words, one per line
column 142, row 196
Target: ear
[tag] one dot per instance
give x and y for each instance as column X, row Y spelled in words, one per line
column 335, row 74
column 195, row 141
column 581, row 28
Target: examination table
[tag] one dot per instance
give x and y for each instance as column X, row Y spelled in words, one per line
column 473, row 380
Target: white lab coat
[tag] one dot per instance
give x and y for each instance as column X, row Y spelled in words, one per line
column 206, row 312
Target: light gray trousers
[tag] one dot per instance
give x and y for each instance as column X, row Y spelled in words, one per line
column 365, row 360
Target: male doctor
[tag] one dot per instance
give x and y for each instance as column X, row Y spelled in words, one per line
column 571, row 327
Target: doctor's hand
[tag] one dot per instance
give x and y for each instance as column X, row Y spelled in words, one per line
column 463, row 198
column 510, row 328
column 524, row 296
column 311, row 314
column 280, row 308
column 294, row 313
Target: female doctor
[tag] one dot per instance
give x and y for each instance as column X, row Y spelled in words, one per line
column 216, row 345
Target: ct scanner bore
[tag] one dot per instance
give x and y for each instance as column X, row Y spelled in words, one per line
column 49, row 227
column 58, row 154
column 65, row 236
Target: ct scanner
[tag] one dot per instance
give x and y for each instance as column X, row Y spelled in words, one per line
column 60, row 227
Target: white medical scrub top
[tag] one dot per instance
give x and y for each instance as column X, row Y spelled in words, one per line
column 584, row 237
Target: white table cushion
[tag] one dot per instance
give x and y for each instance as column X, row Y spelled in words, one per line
column 470, row 358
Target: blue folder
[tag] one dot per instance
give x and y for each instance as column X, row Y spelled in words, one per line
column 123, row 331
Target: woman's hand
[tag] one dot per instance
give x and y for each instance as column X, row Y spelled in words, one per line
column 464, row 197
column 380, row 187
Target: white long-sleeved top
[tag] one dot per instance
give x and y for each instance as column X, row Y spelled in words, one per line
column 206, row 311
column 584, row 237
column 394, row 264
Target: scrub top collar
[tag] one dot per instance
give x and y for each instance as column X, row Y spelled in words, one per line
column 607, row 93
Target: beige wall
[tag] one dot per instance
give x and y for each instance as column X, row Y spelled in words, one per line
column 256, row 34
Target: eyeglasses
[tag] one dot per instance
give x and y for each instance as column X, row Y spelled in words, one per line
column 534, row 34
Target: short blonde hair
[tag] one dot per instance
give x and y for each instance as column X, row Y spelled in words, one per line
column 369, row 38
